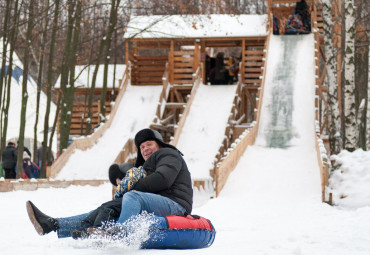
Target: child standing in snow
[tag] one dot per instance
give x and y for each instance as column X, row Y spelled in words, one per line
column 30, row 169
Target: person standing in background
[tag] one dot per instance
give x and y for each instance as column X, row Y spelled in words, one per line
column 9, row 157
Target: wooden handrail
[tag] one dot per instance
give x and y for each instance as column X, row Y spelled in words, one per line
column 322, row 157
column 232, row 122
column 164, row 95
column 230, row 160
column 127, row 153
column 86, row 143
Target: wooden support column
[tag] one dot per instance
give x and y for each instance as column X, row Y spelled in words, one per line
column 203, row 58
column 171, row 62
column 196, row 55
column 243, row 61
column 127, row 53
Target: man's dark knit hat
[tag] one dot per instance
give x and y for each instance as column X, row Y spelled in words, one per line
column 148, row 134
column 118, row 171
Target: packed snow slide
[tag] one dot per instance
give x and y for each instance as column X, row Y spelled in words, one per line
column 135, row 112
column 282, row 165
column 204, row 128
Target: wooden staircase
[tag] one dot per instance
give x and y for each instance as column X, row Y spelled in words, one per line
column 182, row 65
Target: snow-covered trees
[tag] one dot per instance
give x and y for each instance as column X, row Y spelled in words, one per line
column 345, row 35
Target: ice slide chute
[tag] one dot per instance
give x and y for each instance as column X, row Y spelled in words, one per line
column 289, row 57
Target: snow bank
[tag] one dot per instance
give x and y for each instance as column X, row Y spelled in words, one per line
column 350, row 179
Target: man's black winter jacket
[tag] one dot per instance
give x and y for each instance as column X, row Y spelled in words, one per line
column 168, row 176
column 9, row 157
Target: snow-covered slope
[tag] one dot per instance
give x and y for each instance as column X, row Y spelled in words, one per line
column 136, row 111
column 204, row 128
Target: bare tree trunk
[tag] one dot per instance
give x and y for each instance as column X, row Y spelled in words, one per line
column 49, row 152
column 2, row 73
column 111, row 28
column 335, row 139
column 352, row 131
column 67, row 90
column 361, row 70
column 12, row 40
column 39, row 79
column 48, row 90
column 24, row 90
column 93, row 84
column 72, row 63
column 92, row 89
column 4, row 36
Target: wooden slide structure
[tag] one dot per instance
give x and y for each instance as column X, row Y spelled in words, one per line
column 176, row 99
column 227, row 165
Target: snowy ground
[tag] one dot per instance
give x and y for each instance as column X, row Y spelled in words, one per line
column 246, row 222
column 271, row 203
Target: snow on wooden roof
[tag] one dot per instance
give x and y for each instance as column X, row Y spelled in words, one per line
column 196, row 26
column 84, row 76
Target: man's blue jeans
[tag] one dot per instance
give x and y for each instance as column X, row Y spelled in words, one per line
column 133, row 203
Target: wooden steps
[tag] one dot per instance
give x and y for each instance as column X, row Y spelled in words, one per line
column 253, row 63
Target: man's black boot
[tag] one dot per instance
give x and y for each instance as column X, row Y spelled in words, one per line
column 80, row 234
column 42, row 223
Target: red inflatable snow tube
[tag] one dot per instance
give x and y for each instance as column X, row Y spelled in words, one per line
column 180, row 232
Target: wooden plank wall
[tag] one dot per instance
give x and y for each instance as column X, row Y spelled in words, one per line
column 148, row 70
column 183, row 67
column 80, row 115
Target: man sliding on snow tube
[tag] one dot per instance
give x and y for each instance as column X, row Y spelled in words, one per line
column 109, row 211
column 166, row 190
column 124, row 177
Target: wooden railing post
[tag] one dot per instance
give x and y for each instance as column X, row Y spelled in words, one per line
column 226, row 163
